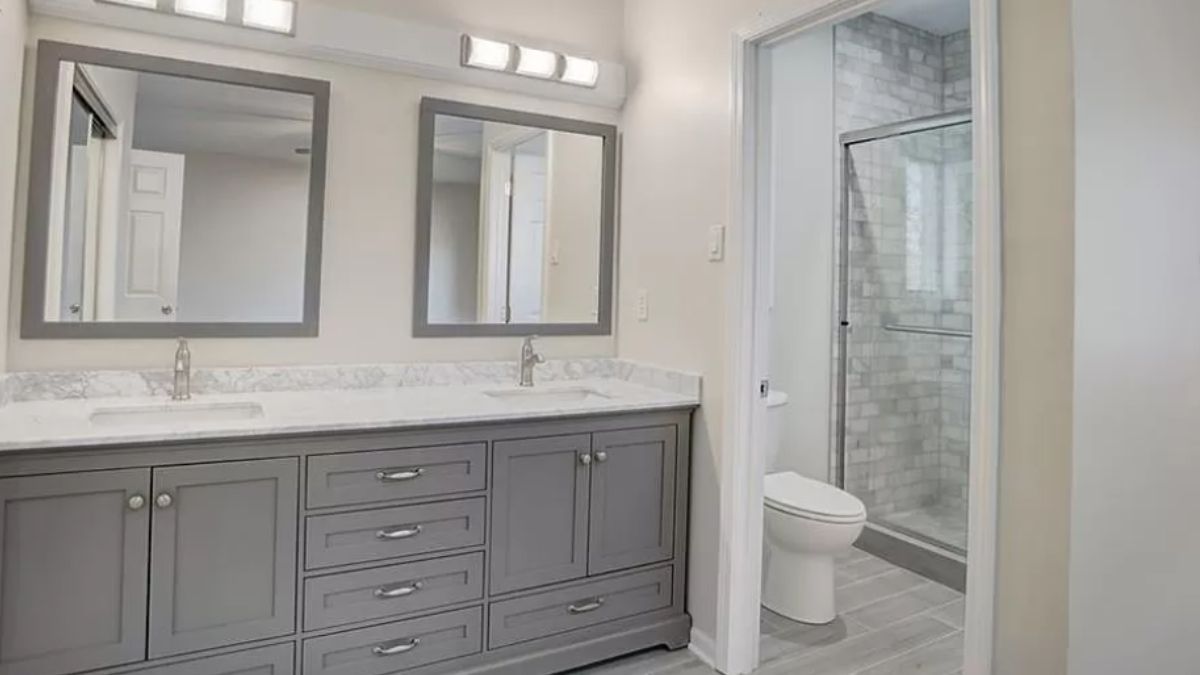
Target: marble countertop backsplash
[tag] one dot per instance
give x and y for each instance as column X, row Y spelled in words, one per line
column 25, row 387
column 40, row 411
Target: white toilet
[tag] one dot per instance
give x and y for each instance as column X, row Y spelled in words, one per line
column 807, row 523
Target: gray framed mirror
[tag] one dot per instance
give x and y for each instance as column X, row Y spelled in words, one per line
column 172, row 199
column 515, row 223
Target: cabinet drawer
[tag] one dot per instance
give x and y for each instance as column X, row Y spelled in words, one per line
column 395, row 647
column 277, row 660
column 363, row 477
column 363, row 536
column 391, row 591
column 582, row 605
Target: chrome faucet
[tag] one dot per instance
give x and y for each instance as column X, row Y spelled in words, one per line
column 182, row 390
column 529, row 359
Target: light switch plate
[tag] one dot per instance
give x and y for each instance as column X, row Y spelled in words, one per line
column 643, row 305
column 716, row 243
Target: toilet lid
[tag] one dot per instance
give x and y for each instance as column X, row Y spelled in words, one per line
column 792, row 493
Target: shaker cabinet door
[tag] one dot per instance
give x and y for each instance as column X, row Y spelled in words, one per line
column 633, row 498
column 73, row 556
column 539, row 511
column 223, row 558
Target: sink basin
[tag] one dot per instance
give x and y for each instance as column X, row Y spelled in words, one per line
column 176, row 413
column 547, row 396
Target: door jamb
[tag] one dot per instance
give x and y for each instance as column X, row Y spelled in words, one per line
column 735, row 647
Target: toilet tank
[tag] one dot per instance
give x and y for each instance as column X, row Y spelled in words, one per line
column 776, row 407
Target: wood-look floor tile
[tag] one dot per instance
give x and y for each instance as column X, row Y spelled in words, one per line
column 802, row 638
column 938, row 658
column 952, row 613
column 903, row 605
column 864, row 651
column 859, row 594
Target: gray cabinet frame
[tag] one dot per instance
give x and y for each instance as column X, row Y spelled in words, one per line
column 658, row 624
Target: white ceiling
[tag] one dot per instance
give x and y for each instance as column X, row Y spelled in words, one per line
column 940, row 17
column 176, row 114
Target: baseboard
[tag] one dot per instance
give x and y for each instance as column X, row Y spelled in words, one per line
column 703, row 647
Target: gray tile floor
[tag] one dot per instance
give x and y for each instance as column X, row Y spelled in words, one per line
column 891, row 622
column 938, row 522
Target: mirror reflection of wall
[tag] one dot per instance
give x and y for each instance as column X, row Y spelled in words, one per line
column 175, row 199
column 515, row 235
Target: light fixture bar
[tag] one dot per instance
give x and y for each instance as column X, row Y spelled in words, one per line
column 276, row 16
column 543, row 64
column 143, row 4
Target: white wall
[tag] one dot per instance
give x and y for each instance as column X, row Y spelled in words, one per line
column 245, row 223
column 369, row 224
column 587, row 27
column 1134, row 595
column 800, row 103
column 576, row 179
column 454, row 253
column 12, row 57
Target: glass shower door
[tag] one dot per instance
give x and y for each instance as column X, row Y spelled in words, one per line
column 905, row 342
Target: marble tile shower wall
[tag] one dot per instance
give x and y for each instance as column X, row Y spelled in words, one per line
column 907, row 396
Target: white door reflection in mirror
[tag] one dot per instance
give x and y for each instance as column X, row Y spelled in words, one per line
column 515, row 229
column 149, row 264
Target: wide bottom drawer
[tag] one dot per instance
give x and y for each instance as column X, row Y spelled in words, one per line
column 544, row 614
column 398, row 646
column 276, row 660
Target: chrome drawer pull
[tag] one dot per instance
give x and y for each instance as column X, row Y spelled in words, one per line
column 399, row 534
column 399, row 648
column 389, row 592
column 585, row 608
column 399, row 476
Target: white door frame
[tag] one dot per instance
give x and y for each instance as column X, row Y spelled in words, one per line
column 736, row 642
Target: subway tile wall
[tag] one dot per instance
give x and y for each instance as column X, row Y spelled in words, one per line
column 907, row 410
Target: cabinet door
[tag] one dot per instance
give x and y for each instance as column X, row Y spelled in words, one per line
column 633, row 498
column 539, row 511
column 73, row 571
column 223, row 554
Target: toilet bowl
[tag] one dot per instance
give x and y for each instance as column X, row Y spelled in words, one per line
column 807, row 524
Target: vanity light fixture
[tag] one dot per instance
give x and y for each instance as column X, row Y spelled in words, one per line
column 580, row 71
column 536, row 62
column 487, row 54
column 278, row 16
column 214, row 10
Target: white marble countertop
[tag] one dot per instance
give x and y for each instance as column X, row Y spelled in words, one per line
column 67, row 423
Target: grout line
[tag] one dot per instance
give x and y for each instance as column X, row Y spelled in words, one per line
column 906, row 652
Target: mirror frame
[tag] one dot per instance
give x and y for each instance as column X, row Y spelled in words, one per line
column 430, row 109
column 33, row 322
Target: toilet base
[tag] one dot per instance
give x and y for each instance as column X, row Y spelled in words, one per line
column 800, row 586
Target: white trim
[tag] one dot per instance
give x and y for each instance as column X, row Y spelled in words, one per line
column 739, row 585
column 984, row 458
column 340, row 35
column 702, row 646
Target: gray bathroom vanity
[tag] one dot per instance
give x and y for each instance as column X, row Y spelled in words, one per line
column 516, row 547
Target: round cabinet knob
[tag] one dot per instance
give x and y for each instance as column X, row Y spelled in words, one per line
column 602, row 457
column 164, row 500
column 75, row 308
column 585, row 459
column 168, row 310
column 136, row 502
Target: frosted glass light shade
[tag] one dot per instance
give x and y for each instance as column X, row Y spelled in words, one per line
column 487, row 54
column 536, row 62
column 583, row 72
column 202, row 9
column 273, row 15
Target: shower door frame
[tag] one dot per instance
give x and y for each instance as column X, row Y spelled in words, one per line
column 734, row 647
column 847, row 141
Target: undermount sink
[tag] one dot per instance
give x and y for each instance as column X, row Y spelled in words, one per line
column 176, row 413
column 547, row 396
